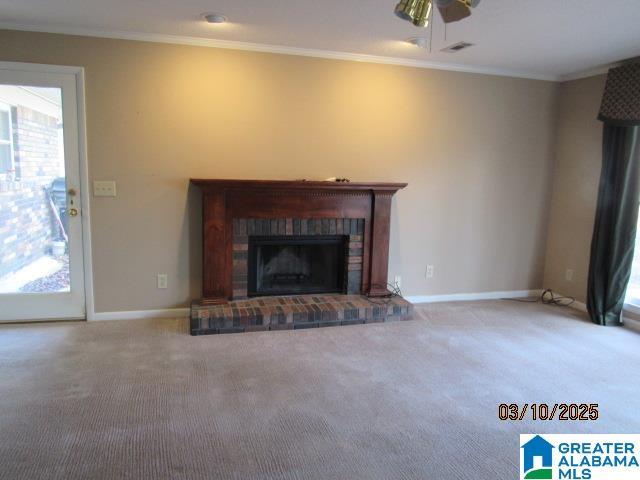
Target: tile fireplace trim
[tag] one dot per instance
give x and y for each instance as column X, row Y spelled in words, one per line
column 243, row 228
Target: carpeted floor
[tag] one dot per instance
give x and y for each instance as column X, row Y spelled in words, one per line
column 408, row 400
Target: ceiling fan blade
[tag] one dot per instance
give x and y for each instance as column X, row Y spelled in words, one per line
column 455, row 10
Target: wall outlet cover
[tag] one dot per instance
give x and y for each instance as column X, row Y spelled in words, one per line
column 163, row 280
column 430, row 272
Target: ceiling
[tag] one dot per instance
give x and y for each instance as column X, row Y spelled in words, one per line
column 550, row 39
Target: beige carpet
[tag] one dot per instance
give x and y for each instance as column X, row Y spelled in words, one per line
column 409, row 400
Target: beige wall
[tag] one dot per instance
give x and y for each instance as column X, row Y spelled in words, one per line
column 575, row 191
column 477, row 151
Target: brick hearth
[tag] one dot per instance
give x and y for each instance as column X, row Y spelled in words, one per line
column 295, row 312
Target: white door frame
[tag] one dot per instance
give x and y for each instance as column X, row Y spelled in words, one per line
column 78, row 72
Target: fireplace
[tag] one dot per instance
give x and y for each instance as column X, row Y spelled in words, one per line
column 279, row 255
column 234, row 211
column 294, row 265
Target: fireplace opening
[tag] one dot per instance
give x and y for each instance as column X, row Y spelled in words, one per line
column 296, row 265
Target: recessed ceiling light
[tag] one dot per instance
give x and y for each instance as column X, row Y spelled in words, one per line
column 214, row 18
column 420, row 42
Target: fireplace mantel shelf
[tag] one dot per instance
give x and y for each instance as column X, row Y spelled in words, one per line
column 298, row 185
column 225, row 201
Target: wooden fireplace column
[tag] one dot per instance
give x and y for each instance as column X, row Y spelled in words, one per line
column 226, row 200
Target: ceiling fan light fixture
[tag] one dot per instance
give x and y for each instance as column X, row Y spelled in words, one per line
column 417, row 12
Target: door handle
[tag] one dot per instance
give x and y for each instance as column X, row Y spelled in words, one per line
column 73, row 212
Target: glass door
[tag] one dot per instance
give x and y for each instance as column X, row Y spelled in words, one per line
column 41, row 257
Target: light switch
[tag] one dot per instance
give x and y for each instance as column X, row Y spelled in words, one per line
column 104, row 188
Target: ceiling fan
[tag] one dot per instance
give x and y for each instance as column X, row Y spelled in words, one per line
column 418, row 12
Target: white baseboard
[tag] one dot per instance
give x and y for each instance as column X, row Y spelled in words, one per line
column 581, row 307
column 631, row 323
column 415, row 299
column 140, row 314
column 628, row 322
column 631, row 317
column 184, row 312
column 468, row 297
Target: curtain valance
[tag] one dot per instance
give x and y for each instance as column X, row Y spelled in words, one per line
column 621, row 100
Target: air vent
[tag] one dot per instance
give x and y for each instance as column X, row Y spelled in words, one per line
column 456, row 47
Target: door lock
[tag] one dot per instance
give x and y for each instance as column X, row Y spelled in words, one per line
column 73, row 212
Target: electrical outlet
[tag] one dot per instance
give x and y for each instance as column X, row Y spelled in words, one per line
column 568, row 275
column 430, row 272
column 397, row 281
column 102, row 188
column 163, row 280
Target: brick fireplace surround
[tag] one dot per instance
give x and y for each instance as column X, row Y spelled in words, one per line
column 351, row 228
column 235, row 210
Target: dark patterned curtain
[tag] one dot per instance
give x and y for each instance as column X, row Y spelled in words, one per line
column 612, row 246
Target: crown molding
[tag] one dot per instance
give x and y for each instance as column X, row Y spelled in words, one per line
column 280, row 49
column 588, row 73
column 601, row 70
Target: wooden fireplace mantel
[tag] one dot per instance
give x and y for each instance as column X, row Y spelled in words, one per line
column 226, row 200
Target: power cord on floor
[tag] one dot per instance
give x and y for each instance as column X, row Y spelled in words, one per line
column 394, row 291
column 547, row 297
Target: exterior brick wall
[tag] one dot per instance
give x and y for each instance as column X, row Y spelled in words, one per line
column 26, row 223
column 35, row 146
column 25, row 227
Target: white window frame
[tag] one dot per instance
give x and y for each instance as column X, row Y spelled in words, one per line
column 4, row 107
column 631, row 307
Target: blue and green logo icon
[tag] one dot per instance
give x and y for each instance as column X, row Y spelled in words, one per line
column 537, row 461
